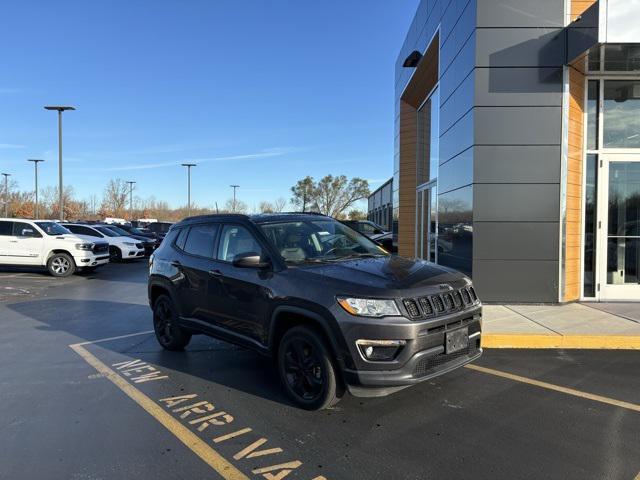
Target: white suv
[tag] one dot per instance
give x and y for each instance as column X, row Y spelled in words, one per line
column 120, row 247
column 48, row 244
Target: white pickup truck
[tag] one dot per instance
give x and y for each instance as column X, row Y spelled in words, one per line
column 48, row 244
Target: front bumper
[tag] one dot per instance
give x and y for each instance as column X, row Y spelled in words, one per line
column 91, row 260
column 423, row 357
column 132, row 252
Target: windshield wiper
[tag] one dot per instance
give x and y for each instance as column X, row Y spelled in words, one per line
column 360, row 255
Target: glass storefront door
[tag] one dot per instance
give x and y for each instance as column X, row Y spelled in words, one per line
column 619, row 227
column 426, row 222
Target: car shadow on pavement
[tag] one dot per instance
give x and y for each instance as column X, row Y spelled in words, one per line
column 213, row 361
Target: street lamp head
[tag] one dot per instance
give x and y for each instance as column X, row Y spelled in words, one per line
column 35, row 160
column 6, row 174
column 189, row 165
column 59, row 108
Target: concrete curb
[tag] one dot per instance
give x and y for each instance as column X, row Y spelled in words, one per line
column 524, row 340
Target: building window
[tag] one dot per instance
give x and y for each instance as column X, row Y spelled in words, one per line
column 621, row 114
column 593, row 97
column 590, row 225
column 622, row 58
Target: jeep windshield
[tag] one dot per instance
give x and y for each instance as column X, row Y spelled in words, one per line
column 318, row 241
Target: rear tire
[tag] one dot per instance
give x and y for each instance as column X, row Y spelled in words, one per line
column 61, row 265
column 165, row 324
column 115, row 254
column 306, row 369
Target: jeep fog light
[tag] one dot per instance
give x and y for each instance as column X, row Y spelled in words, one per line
column 379, row 350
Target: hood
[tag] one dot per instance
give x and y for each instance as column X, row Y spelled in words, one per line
column 88, row 239
column 397, row 275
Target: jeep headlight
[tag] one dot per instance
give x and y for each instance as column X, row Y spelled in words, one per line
column 369, row 307
column 84, row 246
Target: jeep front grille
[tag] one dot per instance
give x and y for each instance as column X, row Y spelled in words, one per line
column 440, row 304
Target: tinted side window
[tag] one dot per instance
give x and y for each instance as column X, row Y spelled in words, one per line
column 201, row 240
column 182, row 236
column 18, row 227
column 236, row 240
column 171, row 236
column 6, row 228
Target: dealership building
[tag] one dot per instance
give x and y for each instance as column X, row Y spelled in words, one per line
column 517, row 146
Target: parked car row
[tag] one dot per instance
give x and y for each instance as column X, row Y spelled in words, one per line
column 65, row 248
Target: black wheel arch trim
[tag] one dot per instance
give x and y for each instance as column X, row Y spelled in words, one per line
column 328, row 325
column 164, row 284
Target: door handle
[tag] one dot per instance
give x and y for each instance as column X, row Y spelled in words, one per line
column 175, row 263
column 215, row 273
column 13, row 241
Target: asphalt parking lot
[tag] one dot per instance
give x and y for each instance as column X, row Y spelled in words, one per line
column 87, row 393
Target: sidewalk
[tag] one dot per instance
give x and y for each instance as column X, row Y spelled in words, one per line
column 575, row 325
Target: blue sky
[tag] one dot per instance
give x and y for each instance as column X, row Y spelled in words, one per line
column 259, row 93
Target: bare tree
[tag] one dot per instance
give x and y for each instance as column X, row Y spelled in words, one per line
column 115, row 197
column 266, row 207
column 303, row 193
column 331, row 195
column 279, row 204
column 239, row 207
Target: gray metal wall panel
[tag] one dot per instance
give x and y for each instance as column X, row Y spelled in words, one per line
column 520, row 47
column 515, row 241
column 457, row 172
column 457, row 138
column 458, row 70
column 518, row 125
column 516, row 280
column 457, row 105
column 509, row 202
column 516, row 164
column 518, row 86
column 521, row 13
column 462, row 25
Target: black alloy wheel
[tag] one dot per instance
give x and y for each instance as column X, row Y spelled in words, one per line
column 165, row 324
column 306, row 369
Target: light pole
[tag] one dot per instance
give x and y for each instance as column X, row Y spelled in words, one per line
column 6, row 194
column 234, row 196
column 59, row 109
column 131, row 184
column 35, row 164
column 188, row 165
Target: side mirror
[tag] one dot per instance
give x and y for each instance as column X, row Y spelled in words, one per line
column 27, row 232
column 249, row 260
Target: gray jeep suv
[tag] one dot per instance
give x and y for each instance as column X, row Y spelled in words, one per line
column 334, row 309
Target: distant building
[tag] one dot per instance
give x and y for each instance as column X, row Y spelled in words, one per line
column 380, row 208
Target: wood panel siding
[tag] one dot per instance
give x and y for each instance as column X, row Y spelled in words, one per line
column 407, row 180
column 421, row 84
column 579, row 6
column 575, row 161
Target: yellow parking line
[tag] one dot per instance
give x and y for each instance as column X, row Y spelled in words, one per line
column 192, row 441
column 557, row 388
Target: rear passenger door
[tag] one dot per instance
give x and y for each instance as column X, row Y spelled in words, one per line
column 195, row 245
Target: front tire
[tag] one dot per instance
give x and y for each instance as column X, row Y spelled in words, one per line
column 165, row 324
column 115, row 254
column 61, row 265
column 306, row 369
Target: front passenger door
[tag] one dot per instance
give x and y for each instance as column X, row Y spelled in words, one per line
column 243, row 304
column 27, row 243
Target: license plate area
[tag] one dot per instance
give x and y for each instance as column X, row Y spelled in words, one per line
column 456, row 340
